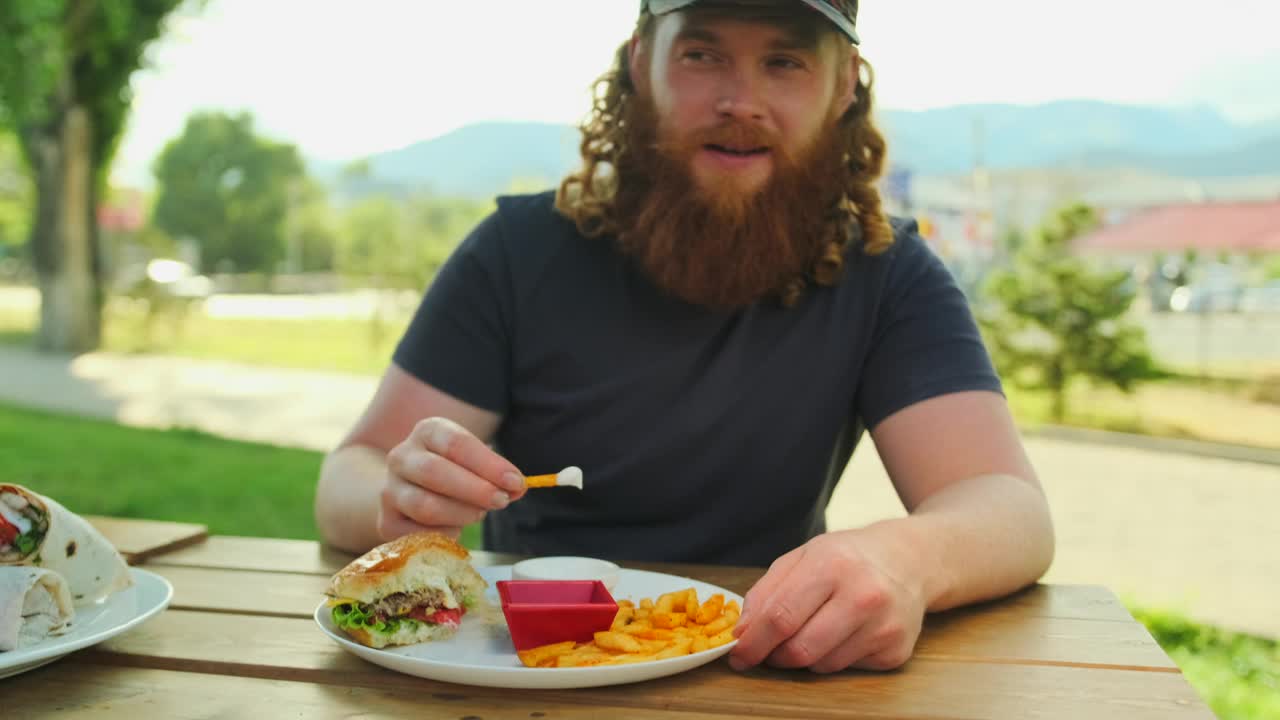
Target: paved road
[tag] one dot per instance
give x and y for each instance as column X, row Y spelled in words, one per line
column 1188, row 533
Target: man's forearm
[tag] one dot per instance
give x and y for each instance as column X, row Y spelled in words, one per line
column 347, row 497
column 979, row 539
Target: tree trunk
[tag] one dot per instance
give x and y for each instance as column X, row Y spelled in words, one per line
column 1057, row 382
column 63, row 235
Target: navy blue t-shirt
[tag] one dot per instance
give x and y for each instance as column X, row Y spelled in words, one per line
column 704, row 436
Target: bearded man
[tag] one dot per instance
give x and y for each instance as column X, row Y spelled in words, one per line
column 705, row 318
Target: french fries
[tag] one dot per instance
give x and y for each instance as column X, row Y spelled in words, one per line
column 674, row 624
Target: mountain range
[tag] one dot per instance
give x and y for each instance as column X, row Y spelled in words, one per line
column 487, row 158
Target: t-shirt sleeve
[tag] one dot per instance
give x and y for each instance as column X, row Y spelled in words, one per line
column 926, row 342
column 459, row 340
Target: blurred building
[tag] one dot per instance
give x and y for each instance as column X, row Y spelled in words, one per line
column 1204, row 228
column 1193, row 256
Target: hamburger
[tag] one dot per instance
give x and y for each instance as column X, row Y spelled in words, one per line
column 413, row 589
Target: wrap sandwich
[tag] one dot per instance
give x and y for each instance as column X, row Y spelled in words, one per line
column 413, row 589
column 37, row 531
column 34, row 604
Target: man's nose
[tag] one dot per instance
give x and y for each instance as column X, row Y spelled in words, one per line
column 740, row 97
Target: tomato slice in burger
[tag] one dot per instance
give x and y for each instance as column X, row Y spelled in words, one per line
column 443, row 616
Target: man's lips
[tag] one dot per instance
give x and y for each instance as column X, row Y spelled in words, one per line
column 736, row 151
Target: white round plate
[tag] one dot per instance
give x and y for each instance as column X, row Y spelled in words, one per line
column 482, row 654
column 120, row 612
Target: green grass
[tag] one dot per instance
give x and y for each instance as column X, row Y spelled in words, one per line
column 344, row 345
column 1237, row 675
column 1224, row 411
column 101, row 468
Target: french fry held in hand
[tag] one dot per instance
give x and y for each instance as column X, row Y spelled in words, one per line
column 568, row 477
column 676, row 624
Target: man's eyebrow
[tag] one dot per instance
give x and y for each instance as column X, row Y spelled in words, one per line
column 796, row 38
column 792, row 38
column 698, row 33
column 796, row 43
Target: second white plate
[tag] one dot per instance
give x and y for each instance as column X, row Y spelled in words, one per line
column 124, row 610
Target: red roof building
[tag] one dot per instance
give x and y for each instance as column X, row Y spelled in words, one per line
column 123, row 212
column 1237, row 228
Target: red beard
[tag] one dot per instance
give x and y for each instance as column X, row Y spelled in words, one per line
column 724, row 247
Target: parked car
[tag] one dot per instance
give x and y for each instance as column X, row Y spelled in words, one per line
column 1205, row 298
column 1261, row 299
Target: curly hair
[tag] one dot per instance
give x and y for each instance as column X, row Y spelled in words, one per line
column 587, row 196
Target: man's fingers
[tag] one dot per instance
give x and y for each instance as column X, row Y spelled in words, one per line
column 824, row 634
column 782, row 615
column 392, row 524
column 437, row 474
column 452, row 441
column 881, row 645
column 759, row 594
column 431, row 509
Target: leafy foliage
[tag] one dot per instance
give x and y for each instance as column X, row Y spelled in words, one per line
column 64, row 88
column 15, row 197
column 1055, row 318
column 401, row 244
column 1272, row 270
column 1238, row 675
column 52, row 48
column 228, row 189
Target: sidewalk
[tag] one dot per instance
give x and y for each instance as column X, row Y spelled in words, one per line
column 1174, row 530
column 304, row 409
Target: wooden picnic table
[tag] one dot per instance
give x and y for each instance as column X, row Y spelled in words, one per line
column 239, row 641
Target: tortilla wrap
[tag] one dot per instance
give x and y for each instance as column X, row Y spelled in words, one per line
column 70, row 546
column 34, row 604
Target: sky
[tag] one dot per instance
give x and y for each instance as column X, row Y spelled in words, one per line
column 343, row 78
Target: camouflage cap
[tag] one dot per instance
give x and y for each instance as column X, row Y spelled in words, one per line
column 842, row 13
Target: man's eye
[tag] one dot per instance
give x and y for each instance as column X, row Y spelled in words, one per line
column 784, row 63
column 699, row 57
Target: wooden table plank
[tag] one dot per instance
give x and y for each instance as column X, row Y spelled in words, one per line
column 141, row 540
column 1002, row 632
column 230, row 552
column 70, row 689
column 286, row 649
column 1001, row 636
column 1086, row 602
column 222, row 637
column 263, row 554
column 244, row 592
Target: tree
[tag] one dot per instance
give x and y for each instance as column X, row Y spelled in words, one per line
column 1273, row 268
column 401, row 244
column 311, row 230
column 64, row 87
column 396, row 245
column 15, row 197
column 229, row 189
column 1056, row 319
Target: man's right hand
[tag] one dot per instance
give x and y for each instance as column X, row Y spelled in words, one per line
column 442, row 478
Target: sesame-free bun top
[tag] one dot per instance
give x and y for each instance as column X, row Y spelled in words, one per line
column 407, row 564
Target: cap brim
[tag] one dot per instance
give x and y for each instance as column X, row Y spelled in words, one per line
column 660, row 7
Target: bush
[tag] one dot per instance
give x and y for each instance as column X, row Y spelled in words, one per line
column 1267, row 390
column 1238, row 675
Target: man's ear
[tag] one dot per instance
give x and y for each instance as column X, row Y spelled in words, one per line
column 849, row 87
column 635, row 61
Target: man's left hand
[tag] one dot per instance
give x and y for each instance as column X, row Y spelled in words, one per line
column 845, row 599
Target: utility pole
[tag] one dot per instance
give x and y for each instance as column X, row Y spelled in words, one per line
column 980, row 179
